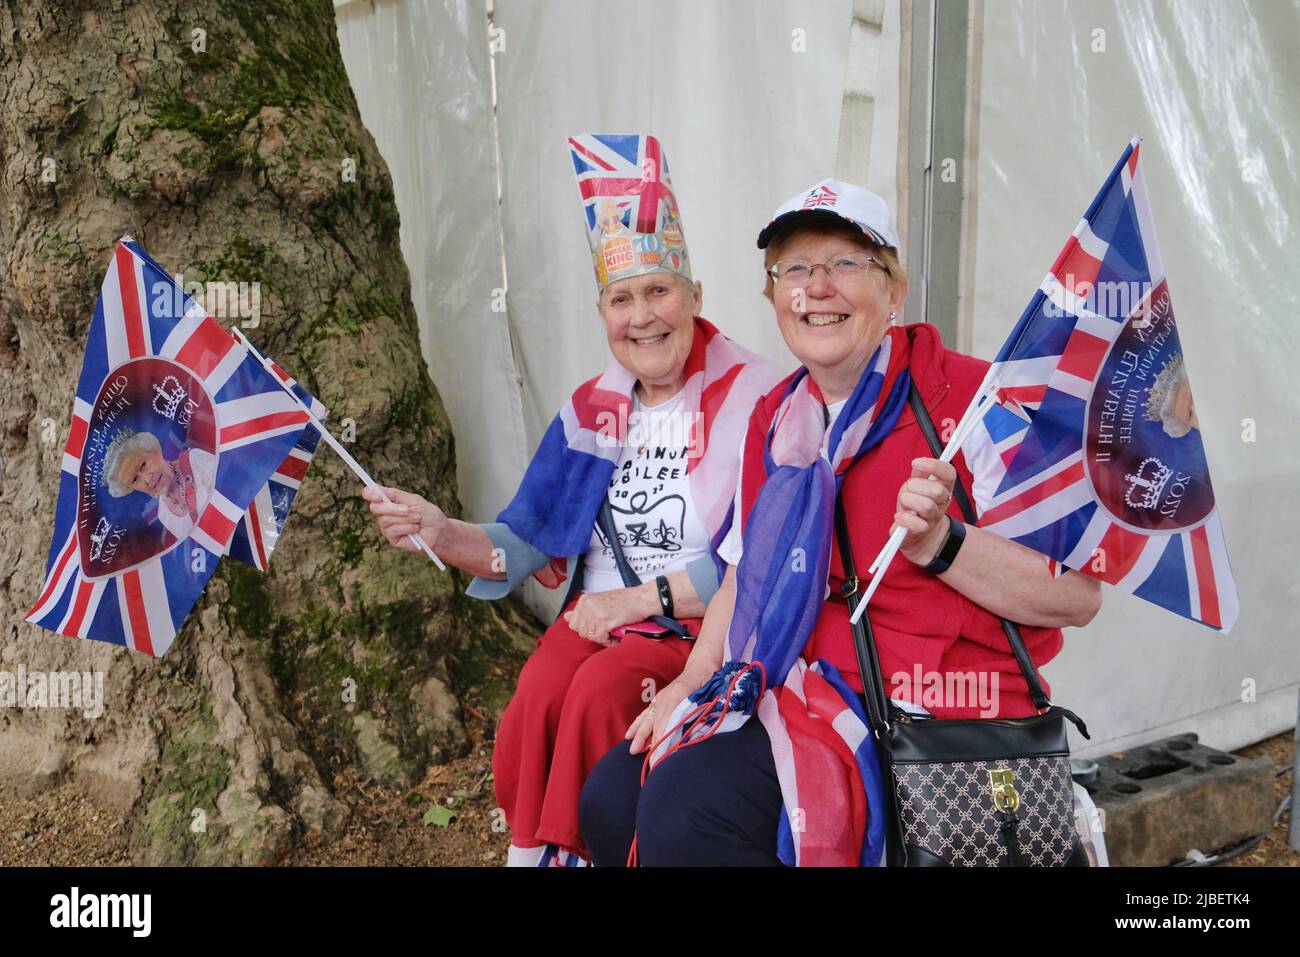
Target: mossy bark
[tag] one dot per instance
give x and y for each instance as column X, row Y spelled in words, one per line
column 226, row 138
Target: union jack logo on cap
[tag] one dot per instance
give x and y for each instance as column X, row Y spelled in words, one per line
column 820, row 196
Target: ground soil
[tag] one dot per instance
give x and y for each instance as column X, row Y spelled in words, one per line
column 63, row 826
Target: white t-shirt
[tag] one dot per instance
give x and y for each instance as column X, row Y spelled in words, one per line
column 732, row 546
column 650, row 494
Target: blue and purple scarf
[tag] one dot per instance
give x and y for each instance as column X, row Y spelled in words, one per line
column 831, row 783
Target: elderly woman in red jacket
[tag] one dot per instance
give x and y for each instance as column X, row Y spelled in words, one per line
column 840, row 422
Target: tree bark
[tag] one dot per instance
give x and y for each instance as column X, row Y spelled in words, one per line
column 220, row 134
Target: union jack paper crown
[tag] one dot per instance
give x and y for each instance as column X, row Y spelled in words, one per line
column 627, row 197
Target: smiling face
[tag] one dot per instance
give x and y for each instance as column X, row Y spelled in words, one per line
column 833, row 327
column 145, row 471
column 649, row 324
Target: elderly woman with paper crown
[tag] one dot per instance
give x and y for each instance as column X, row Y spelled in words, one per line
column 641, row 458
column 841, row 422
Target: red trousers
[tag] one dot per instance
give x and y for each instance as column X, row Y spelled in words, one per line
column 573, row 703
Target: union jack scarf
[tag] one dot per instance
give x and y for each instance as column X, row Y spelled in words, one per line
column 568, row 477
column 831, row 784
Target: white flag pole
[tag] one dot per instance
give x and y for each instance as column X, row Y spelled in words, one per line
column 978, row 405
column 329, row 438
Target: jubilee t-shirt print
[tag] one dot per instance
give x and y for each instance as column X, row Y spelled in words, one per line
column 650, row 496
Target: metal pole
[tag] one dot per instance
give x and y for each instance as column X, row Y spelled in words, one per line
column 1293, row 833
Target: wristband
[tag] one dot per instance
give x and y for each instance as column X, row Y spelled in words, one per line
column 951, row 546
column 665, row 595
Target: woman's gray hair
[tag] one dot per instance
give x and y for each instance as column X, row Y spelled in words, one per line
column 125, row 441
column 1162, row 395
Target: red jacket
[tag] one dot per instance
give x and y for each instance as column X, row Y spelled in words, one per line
column 917, row 618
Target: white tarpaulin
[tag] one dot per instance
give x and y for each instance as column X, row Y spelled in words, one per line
column 422, row 75
column 1213, row 89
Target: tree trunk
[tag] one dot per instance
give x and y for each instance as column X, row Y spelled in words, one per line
column 223, row 136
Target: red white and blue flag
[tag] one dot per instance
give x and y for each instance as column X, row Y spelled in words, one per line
column 569, row 474
column 629, row 170
column 260, row 529
column 1091, row 451
column 176, row 429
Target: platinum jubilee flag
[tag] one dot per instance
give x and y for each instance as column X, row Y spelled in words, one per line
column 180, row 442
column 1090, row 450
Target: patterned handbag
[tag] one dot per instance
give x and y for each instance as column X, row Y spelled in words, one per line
column 981, row 792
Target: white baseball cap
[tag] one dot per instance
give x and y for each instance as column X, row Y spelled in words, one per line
column 832, row 197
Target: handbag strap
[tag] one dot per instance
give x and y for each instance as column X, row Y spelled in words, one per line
column 605, row 522
column 864, row 640
column 1009, row 628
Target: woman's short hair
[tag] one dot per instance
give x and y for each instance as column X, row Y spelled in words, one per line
column 888, row 255
column 126, row 441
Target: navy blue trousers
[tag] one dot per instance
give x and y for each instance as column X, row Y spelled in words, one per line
column 716, row 803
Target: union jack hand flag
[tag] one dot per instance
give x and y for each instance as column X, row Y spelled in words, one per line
column 1091, row 450
column 175, row 430
column 260, row 529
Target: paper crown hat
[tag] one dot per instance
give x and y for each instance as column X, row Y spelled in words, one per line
column 627, row 196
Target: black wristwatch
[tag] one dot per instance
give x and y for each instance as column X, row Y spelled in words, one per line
column 951, row 545
column 665, row 595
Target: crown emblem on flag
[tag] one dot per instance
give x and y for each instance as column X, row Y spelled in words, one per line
column 633, row 224
column 97, row 539
column 171, row 396
column 1147, row 484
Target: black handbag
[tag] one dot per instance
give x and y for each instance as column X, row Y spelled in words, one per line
column 979, row 792
column 605, row 522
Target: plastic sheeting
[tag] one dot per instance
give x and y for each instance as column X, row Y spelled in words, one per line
column 422, row 76
column 744, row 99
column 1214, row 90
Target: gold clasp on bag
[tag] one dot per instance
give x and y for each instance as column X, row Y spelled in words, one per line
column 1002, row 786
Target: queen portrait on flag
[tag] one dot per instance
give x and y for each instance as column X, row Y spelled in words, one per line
column 134, row 462
column 628, row 498
column 794, row 786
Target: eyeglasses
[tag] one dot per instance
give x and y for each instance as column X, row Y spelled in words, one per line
column 795, row 273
